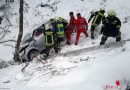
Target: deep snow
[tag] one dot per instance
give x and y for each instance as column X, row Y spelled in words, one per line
column 87, row 71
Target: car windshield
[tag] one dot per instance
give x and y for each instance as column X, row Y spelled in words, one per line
column 27, row 38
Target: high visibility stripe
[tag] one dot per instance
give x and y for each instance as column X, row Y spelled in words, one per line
column 59, row 32
column 46, row 39
column 59, row 45
column 99, row 14
column 49, row 33
column 59, row 26
column 94, row 22
column 60, row 35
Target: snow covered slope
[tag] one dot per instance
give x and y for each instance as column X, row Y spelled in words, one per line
column 87, row 71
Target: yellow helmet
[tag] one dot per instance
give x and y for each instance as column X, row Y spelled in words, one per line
column 57, row 18
column 111, row 12
column 61, row 18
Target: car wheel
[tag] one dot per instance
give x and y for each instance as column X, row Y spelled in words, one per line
column 32, row 54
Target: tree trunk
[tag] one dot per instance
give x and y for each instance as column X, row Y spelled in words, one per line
column 20, row 34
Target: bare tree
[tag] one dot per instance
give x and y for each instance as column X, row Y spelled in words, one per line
column 20, row 34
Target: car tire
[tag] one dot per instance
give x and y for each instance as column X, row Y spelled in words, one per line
column 32, row 54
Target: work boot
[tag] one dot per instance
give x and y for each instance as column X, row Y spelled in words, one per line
column 102, row 43
column 76, row 43
column 92, row 37
column 68, row 43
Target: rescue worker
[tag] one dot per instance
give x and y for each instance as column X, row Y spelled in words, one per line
column 110, row 28
column 97, row 16
column 82, row 26
column 65, row 23
column 53, row 22
column 70, row 28
column 60, row 32
column 49, row 36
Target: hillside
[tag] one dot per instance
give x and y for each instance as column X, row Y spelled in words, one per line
column 86, row 71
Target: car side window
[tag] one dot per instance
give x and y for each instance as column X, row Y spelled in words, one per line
column 38, row 31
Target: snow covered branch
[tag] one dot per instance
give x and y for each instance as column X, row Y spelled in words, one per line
column 46, row 5
column 7, row 41
column 3, row 33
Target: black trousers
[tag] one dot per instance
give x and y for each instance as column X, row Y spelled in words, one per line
column 92, row 30
column 104, row 38
column 48, row 48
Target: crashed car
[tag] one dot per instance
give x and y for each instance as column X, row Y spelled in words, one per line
column 32, row 44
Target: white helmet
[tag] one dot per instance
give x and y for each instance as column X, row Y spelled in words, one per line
column 111, row 12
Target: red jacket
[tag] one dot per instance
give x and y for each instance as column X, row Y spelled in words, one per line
column 72, row 23
column 81, row 24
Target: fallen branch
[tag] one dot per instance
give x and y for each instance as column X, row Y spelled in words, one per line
column 8, row 45
column 23, row 69
column 3, row 33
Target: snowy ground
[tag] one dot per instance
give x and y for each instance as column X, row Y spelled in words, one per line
column 87, row 71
